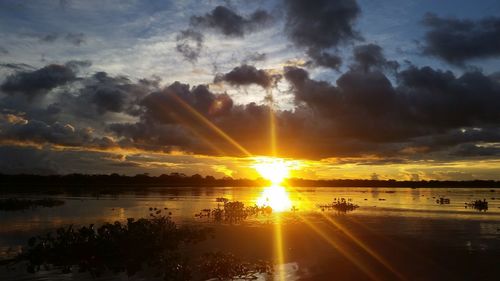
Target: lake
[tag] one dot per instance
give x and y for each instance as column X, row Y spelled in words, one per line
column 395, row 234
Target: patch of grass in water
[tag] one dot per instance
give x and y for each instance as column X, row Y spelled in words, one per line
column 341, row 205
column 480, row 205
column 233, row 212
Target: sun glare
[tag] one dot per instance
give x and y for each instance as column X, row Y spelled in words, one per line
column 273, row 169
column 275, row 197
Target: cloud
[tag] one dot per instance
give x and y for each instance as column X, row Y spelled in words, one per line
column 458, row 40
column 39, row 81
column 116, row 94
column 325, row 59
column 175, row 118
column 17, row 160
column 366, row 108
column 189, row 44
column 39, row 132
column 223, row 20
column 371, row 56
column 229, row 23
column 76, row 39
column 425, row 101
column 246, row 75
column 255, row 57
column 425, row 113
column 320, row 25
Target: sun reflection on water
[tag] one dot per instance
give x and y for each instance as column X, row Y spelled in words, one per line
column 276, row 197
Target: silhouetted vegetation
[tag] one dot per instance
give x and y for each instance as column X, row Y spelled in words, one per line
column 111, row 184
column 16, row 204
column 391, row 183
column 340, row 205
column 443, row 201
column 221, row 200
column 480, row 205
column 152, row 244
column 233, row 212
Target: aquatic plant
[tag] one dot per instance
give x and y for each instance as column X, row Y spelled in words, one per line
column 16, row 204
column 221, row 200
column 233, row 212
column 119, row 247
column 443, row 201
column 152, row 244
column 341, row 205
column 480, row 205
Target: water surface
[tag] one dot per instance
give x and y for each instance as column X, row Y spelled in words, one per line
column 405, row 215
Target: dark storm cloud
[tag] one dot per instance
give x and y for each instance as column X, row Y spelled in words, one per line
column 16, row 66
column 32, row 160
column 358, row 97
column 425, row 105
column 76, row 65
column 189, row 44
column 40, row 132
column 163, row 105
column 230, row 23
column 172, row 117
column 222, row 20
column 151, row 136
column 39, row 81
column 325, row 59
column 457, row 40
column 371, row 56
column 246, row 75
column 320, row 25
column 473, row 150
column 22, row 160
column 428, row 112
column 109, row 94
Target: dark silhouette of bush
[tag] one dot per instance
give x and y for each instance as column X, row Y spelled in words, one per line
column 233, row 212
column 56, row 183
column 114, row 246
column 480, row 205
column 340, row 205
column 153, row 244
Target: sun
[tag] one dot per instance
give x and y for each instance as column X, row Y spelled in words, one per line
column 273, row 169
column 275, row 196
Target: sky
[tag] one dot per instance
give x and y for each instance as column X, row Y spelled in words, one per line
column 390, row 89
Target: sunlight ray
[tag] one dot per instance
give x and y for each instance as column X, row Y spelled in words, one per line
column 211, row 125
column 391, row 242
column 278, row 241
column 365, row 247
column 360, row 243
column 197, row 134
column 340, row 248
column 272, row 124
